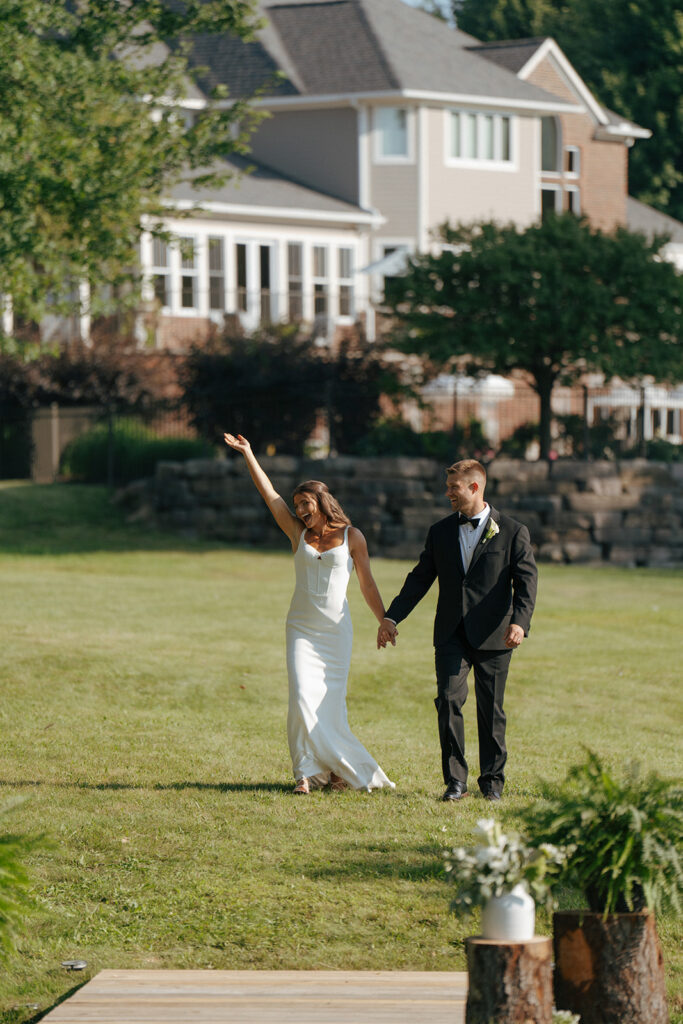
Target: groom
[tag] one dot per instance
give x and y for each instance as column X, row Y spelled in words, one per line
column 487, row 590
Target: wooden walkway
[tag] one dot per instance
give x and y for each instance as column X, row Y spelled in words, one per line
column 267, row 997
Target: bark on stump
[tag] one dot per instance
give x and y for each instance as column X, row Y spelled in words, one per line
column 609, row 970
column 509, row 982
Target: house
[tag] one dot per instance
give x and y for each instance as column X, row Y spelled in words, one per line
column 383, row 122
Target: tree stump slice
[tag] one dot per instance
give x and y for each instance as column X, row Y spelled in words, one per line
column 509, row 982
column 609, row 970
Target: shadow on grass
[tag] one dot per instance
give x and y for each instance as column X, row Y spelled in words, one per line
column 219, row 787
column 383, row 860
column 18, row 1015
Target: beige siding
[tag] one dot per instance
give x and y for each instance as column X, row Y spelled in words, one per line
column 318, row 148
column 394, row 192
column 467, row 194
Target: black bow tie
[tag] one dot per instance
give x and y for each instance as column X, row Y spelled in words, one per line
column 463, row 520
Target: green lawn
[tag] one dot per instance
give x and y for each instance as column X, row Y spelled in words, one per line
column 142, row 713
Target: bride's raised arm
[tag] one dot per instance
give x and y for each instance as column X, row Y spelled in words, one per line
column 287, row 522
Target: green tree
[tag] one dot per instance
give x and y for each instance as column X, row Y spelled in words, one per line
column 92, row 134
column 554, row 300
column 629, row 54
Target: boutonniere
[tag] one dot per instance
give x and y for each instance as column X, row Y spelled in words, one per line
column 491, row 530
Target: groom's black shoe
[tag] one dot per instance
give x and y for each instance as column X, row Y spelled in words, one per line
column 491, row 794
column 455, row 791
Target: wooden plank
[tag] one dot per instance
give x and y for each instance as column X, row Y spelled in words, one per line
column 267, row 997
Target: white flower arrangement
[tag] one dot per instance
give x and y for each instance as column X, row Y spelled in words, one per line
column 497, row 864
column 491, row 530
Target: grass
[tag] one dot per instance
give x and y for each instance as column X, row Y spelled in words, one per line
column 142, row 714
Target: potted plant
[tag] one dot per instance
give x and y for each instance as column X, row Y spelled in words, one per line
column 505, row 877
column 625, row 835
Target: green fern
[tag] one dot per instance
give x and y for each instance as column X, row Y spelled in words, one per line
column 627, row 835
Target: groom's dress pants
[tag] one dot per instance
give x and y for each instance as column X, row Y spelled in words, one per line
column 454, row 660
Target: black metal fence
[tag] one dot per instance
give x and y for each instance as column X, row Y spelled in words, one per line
column 114, row 446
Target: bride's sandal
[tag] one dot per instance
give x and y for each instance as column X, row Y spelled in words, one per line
column 302, row 787
column 337, row 784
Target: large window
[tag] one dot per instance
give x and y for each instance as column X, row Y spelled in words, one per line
column 480, row 137
column 216, row 274
column 391, row 126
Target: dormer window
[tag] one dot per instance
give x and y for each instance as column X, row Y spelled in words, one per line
column 392, row 134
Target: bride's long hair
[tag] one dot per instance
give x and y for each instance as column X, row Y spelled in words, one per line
column 327, row 503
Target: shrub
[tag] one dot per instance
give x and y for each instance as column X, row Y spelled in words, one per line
column 131, row 449
column 396, row 437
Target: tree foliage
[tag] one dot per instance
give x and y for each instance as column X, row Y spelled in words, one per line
column 629, row 54
column 553, row 300
column 92, row 135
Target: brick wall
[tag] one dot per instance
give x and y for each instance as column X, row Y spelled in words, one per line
column 603, row 178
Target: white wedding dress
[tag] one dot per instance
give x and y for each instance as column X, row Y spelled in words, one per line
column 319, row 638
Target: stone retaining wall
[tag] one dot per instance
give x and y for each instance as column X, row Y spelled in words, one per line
column 628, row 513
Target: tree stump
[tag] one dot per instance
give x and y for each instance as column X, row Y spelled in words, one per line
column 609, row 970
column 509, row 982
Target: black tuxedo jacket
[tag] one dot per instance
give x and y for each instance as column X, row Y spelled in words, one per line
column 498, row 588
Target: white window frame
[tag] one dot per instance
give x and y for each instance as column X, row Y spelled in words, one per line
column 496, row 163
column 576, row 153
column 575, row 191
column 557, row 189
column 405, row 158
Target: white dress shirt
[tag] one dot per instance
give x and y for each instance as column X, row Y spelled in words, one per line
column 470, row 537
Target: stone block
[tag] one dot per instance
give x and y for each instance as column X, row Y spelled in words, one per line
column 421, row 517
column 643, row 472
column 624, row 556
column 604, row 485
column 585, row 502
column 290, row 465
column 550, row 552
column 209, row 468
column 569, row 520
column 531, row 520
column 571, row 469
column 576, row 551
column 623, row 535
column 543, row 504
column 662, row 555
column 516, row 470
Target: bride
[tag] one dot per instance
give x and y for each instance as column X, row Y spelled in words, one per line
column 326, row 549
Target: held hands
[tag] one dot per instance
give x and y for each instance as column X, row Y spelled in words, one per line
column 239, row 443
column 513, row 636
column 386, row 634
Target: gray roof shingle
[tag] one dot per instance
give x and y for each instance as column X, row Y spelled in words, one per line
column 263, row 187
column 331, row 47
column 511, row 54
column 644, row 218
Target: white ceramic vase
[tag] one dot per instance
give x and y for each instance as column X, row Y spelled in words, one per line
column 510, row 917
